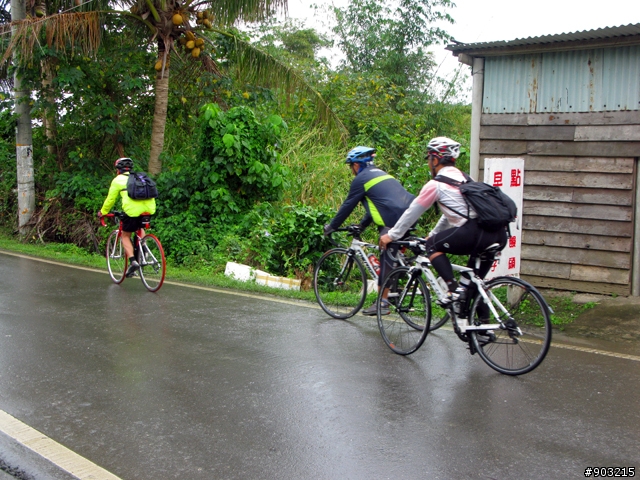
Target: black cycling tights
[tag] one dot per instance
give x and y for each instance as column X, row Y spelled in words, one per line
column 468, row 239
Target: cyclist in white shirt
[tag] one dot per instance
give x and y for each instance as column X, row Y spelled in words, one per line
column 453, row 234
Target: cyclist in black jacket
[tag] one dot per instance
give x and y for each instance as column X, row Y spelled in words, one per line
column 384, row 200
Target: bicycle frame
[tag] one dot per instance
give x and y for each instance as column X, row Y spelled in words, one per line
column 422, row 265
column 356, row 248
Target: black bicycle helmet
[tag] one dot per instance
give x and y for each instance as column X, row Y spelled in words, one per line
column 124, row 163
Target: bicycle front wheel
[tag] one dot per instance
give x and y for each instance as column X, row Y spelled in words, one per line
column 152, row 262
column 116, row 258
column 405, row 328
column 523, row 342
column 340, row 283
column 439, row 315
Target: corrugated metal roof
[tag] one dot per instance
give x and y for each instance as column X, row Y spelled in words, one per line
column 604, row 36
column 588, row 80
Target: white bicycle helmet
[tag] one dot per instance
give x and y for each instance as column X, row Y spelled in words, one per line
column 444, row 148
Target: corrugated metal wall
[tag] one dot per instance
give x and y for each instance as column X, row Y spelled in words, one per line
column 561, row 82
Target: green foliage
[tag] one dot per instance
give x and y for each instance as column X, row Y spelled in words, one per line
column 319, row 176
column 103, row 105
column 8, row 179
column 83, row 191
column 284, row 240
column 241, row 157
column 237, row 167
column 239, row 183
column 391, row 38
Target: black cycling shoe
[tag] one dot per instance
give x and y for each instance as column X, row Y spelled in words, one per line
column 373, row 309
column 133, row 268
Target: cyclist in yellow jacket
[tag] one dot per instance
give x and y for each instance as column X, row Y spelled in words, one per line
column 132, row 209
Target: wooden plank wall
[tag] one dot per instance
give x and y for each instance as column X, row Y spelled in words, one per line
column 579, row 190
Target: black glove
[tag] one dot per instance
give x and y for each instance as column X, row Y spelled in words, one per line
column 327, row 230
column 355, row 229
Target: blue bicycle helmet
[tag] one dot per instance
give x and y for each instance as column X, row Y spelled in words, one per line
column 360, row 155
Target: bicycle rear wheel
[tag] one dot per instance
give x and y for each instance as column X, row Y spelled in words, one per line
column 405, row 328
column 524, row 341
column 152, row 262
column 116, row 258
column 340, row 283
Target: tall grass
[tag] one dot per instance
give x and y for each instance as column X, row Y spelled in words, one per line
column 319, row 175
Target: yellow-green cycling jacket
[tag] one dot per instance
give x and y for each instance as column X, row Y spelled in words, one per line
column 133, row 208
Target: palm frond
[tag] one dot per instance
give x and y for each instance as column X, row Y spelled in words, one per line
column 70, row 32
column 258, row 67
column 229, row 12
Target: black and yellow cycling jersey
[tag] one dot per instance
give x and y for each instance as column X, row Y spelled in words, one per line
column 383, row 197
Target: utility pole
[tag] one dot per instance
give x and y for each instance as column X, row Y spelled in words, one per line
column 24, row 140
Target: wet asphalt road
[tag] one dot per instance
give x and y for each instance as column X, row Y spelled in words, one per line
column 196, row 384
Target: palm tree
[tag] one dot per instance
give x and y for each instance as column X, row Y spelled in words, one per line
column 177, row 28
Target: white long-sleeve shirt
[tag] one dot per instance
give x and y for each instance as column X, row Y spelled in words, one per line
column 446, row 196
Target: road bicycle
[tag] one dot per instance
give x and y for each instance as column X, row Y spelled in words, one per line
column 508, row 322
column 148, row 252
column 340, row 280
column 341, row 273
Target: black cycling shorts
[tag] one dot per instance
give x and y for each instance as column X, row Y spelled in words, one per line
column 131, row 224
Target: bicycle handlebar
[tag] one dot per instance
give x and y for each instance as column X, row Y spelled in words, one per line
column 352, row 230
column 416, row 244
column 114, row 214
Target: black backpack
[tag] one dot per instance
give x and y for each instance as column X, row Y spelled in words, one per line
column 495, row 208
column 141, row 187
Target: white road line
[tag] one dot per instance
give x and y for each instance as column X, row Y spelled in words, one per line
column 66, row 459
column 626, row 356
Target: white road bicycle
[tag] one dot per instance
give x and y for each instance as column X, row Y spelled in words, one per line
column 508, row 324
column 345, row 277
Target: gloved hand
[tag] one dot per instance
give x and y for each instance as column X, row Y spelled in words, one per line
column 327, row 230
column 99, row 214
column 355, row 229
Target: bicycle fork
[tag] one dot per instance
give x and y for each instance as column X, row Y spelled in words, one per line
column 409, row 289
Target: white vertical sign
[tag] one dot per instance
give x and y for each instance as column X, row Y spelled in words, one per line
column 508, row 174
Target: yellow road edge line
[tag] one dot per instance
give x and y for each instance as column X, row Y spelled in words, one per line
column 51, row 450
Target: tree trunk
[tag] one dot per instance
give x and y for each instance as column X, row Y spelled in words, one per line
column 49, row 119
column 24, row 142
column 159, row 117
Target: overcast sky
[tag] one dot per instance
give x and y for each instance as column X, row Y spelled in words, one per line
column 490, row 20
